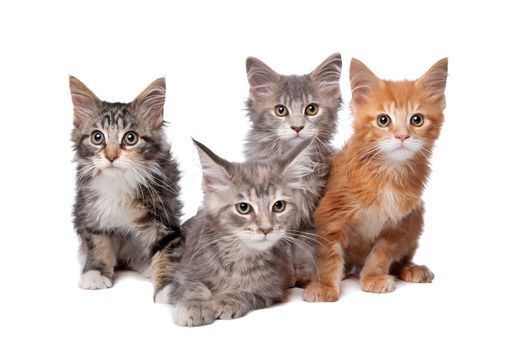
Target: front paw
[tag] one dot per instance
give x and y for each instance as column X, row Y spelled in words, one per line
column 302, row 275
column 416, row 274
column 227, row 309
column 93, row 279
column 316, row 292
column 163, row 296
column 378, row 284
column 193, row 313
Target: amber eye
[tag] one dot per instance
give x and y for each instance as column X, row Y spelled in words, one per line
column 417, row 119
column 243, row 208
column 279, row 206
column 281, row 111
column 131, row 138
column 383, row 120
column 97, row 137
column 312, row 109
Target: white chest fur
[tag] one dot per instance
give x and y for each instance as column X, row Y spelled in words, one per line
column 374, row 218
column 112, row 201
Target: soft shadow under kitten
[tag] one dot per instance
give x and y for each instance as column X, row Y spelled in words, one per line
column 237, row 255
column 127, row 208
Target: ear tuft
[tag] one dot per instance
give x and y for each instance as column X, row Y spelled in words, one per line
column 149, row 105
column 85, row 103
column 262, row 79
column 328, row 74
column 434, row 80
column 297, row 164
column 215, row 170
column 362, row 80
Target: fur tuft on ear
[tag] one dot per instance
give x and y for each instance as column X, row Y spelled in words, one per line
column 328, row 74
column 434, row 80
column 85, row 103
column 149, row 105
column 362, row 80
column 297, row 164
column 262, row 79
column 215, row 170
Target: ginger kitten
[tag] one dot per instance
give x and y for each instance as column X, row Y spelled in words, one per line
column 371, row 215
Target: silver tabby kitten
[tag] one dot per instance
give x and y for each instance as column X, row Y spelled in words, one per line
column 237, row 255
column 283, row 110
column 127, row 208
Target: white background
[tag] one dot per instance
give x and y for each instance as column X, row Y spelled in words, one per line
column 473, row 238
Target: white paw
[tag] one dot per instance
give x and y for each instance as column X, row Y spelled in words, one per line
column 193, row 313
column 93, row 279
column 163, row 297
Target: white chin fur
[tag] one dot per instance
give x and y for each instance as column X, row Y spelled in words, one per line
column 397, row 151
column 260, row 242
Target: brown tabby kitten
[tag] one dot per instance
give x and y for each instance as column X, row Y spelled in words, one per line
column 371, row 215
column 127, row 208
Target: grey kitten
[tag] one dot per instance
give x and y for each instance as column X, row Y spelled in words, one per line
column 283, row 110
column 237, row 256
column 127, row 207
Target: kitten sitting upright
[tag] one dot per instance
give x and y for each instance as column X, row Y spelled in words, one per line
column 283, row 110
column 237, row 256
column 371, row 215
column 127, row 208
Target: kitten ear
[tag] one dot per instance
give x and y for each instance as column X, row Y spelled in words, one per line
column 327, row 75
column 215, row 170
column 85, row 103
column 149, row 105
column 297, row 163
column 362, row 81
column 434, row 80
column 263, row 80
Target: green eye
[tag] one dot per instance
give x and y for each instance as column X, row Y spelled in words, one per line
column 417, row 119
column 383, row 120
column 312, row 109
column 281, row 111
column 131, row 138
column 279, row 206
column 243, row 208
column 97, row 137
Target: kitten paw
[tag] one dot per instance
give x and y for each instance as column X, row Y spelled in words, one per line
column 302, row 276
column 416, row 274
column 378, row 284
column 93, row 279
column 193, row 313
column 163, row 296
column 227, row 309
column 316, row 292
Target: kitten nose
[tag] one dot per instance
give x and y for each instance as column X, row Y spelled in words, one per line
column 265, row 230
column 297, row 128
column 402, row 137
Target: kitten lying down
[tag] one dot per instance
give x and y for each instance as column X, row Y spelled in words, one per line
column 238, row 250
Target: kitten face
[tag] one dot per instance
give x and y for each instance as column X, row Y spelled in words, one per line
column 253, row 201
column 398, row 119
column 293, row 108
column 117, row 138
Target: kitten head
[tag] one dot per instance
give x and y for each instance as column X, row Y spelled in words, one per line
column 253, row 202
column 398, row 119
column 291, row 108
column 118, row 138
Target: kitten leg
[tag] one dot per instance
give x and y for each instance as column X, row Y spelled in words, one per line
column 407, row 271
column 192, row 313
column 391, row 246
column 100, row 262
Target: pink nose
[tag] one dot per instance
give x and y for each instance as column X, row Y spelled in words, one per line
column 297, row 128
column 402, row 137
column 265, row 230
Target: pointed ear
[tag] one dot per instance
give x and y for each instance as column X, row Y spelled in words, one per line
column 85, row 103
column 149, row 105
column 297, row 163
column 362, row 82
column 434, row 80
column 327, row 75
column 263, row 80
column 215, row 170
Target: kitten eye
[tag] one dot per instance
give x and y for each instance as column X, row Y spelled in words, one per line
column 131, row 138
column 97, row 137
column 281, row 111
column 383, row 120
column 243, row 208
column 279, row 206
column 312, row 109
column 417, row 119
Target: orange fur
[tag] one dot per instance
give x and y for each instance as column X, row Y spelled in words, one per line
column 371, row 215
